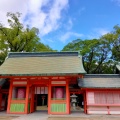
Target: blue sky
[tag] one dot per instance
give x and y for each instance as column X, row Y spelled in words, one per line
column 61, row 21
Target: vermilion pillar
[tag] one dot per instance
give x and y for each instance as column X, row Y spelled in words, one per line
column 27, row 97
column 49, row 97
column 67, row 97
column 10, row 96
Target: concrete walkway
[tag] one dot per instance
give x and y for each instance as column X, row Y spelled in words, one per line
column 38, row 115
column 42, row 115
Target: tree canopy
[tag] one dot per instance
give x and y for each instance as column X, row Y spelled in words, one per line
column 99, row 55
column 18, row 38
column 113, row 40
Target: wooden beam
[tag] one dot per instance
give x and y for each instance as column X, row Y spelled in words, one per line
column 67, row 98
column 27, row 97
column 85, row 102
column 44, row 77
column 32, row 99
column 49, row 97
column 10, row 96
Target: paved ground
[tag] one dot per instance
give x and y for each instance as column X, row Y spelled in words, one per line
column 44, row 116
column 85, row 118
column 7, row 117
column 33, row 116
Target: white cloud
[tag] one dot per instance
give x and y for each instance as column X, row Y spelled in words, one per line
column 116, row 1
column 12, row 6
column 69, row 24
column 97, row 32
column 102, row 31
column 43, row 14
column 67, row 36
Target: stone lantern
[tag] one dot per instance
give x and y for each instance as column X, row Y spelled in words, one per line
column 73, row 101
column 43, row 98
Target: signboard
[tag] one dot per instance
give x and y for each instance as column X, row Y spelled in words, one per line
column 58, row 82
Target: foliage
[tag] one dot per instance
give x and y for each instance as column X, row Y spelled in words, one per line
column 17, row 38
column 99, row 55
column 113, row 39
column 94, row 53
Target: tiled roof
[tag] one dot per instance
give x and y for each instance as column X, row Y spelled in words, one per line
column 100, row 81
column 42, row 64
column 41, row 54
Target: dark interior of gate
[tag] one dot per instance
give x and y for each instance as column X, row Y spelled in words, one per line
column 4, row 88
column 41, row 98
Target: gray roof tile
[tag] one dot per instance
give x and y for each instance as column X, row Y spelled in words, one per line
column 42, row 64
column 100, row 81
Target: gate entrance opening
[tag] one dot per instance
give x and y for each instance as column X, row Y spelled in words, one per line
column 41, row 98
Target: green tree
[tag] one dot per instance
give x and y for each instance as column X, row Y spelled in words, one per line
column 113, row 39
column 95, row 53
column 99, row 55
column 18, row 38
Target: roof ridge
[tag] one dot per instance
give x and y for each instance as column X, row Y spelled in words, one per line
column 41, row 54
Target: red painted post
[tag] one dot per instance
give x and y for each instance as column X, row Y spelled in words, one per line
column 32, row 99
column 27, row 97
column 49, row 97
column 10, row 96
column 86, row 97
column 67, row 98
